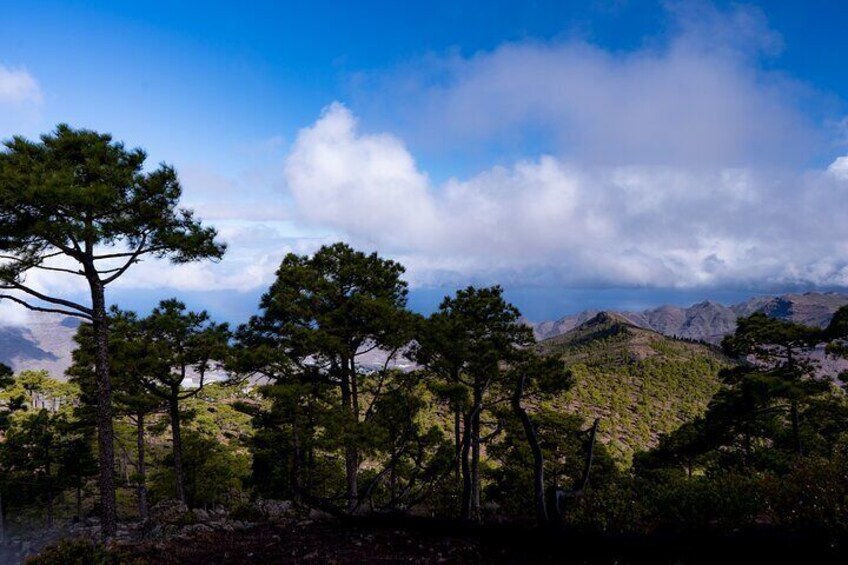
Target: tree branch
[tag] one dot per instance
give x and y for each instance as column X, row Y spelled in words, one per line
column 364, row 351
column 36, row 263
column 58, row 301
column 59, row 270
column 132, row 260
column 127, row 253
column 40, row 309
column 41, row 258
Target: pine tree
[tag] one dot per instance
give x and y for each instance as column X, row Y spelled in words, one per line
column 471, row 339
column 320, row 314
column 78, row 204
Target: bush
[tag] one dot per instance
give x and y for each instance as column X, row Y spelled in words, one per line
column 80, row 552
column 813, row 495
column 724, row 501
column 615, row 507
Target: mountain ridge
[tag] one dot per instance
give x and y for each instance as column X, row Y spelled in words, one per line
column 708, row 320
column 46, row 342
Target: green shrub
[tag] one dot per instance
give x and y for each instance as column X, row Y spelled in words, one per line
column 813, row 495
column 80, row 552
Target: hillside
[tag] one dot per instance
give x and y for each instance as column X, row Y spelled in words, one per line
column 640, row 383
column 46, row 342
column 711, row 321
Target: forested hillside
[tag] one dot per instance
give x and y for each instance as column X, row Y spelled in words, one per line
column 639, row 383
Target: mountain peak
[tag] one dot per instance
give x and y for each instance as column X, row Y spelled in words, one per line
column 709, row 320
column 606, row 317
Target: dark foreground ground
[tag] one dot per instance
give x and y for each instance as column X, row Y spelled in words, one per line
column 427, row 542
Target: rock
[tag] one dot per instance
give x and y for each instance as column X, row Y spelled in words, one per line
column 168, row 512
column 201, row 515
column 320, row 516
column 196, row 528
column 274, row 509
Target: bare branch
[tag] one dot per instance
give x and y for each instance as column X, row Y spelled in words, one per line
column 40, row 309
column 195, row 391
column 37, row 263
column 153, row 388
column 132, row 260
column 41, row 258
column 364, row 351
column 376, row 393
column 127, row 253
column 52, row 300
column 59, row 270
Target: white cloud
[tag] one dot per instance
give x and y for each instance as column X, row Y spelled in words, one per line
column 18, row 88
column 697, row 98
column 13, row 315
column 545, row 220
column 352, row 181
column 839, row 168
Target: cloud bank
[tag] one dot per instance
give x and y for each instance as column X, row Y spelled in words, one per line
column 682, row 163
column 549, row 220
column 697, row 97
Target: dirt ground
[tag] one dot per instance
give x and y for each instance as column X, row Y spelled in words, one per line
column 319, row 544
column 329, row 543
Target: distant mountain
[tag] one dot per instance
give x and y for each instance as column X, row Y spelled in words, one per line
column 640, row 383
column 46, row 342
column 710, row 321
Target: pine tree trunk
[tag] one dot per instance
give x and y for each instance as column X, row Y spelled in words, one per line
column 296, row 458
column 796, row 429
column 475, row 456
column 538, row 457
column 351, row 455
column 177, row 444
column 467, row 477
column 2, row 519
column 79, row 498
column 48, row 487
column 105, row 432
column 142, row 469
column 465, row 508
column 747, row 446
column 457, row 437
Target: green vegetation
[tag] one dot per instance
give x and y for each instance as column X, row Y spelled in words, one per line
column 81, row 552
column 639, row 383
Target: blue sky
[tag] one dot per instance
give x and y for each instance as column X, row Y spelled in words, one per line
column 682, row 148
